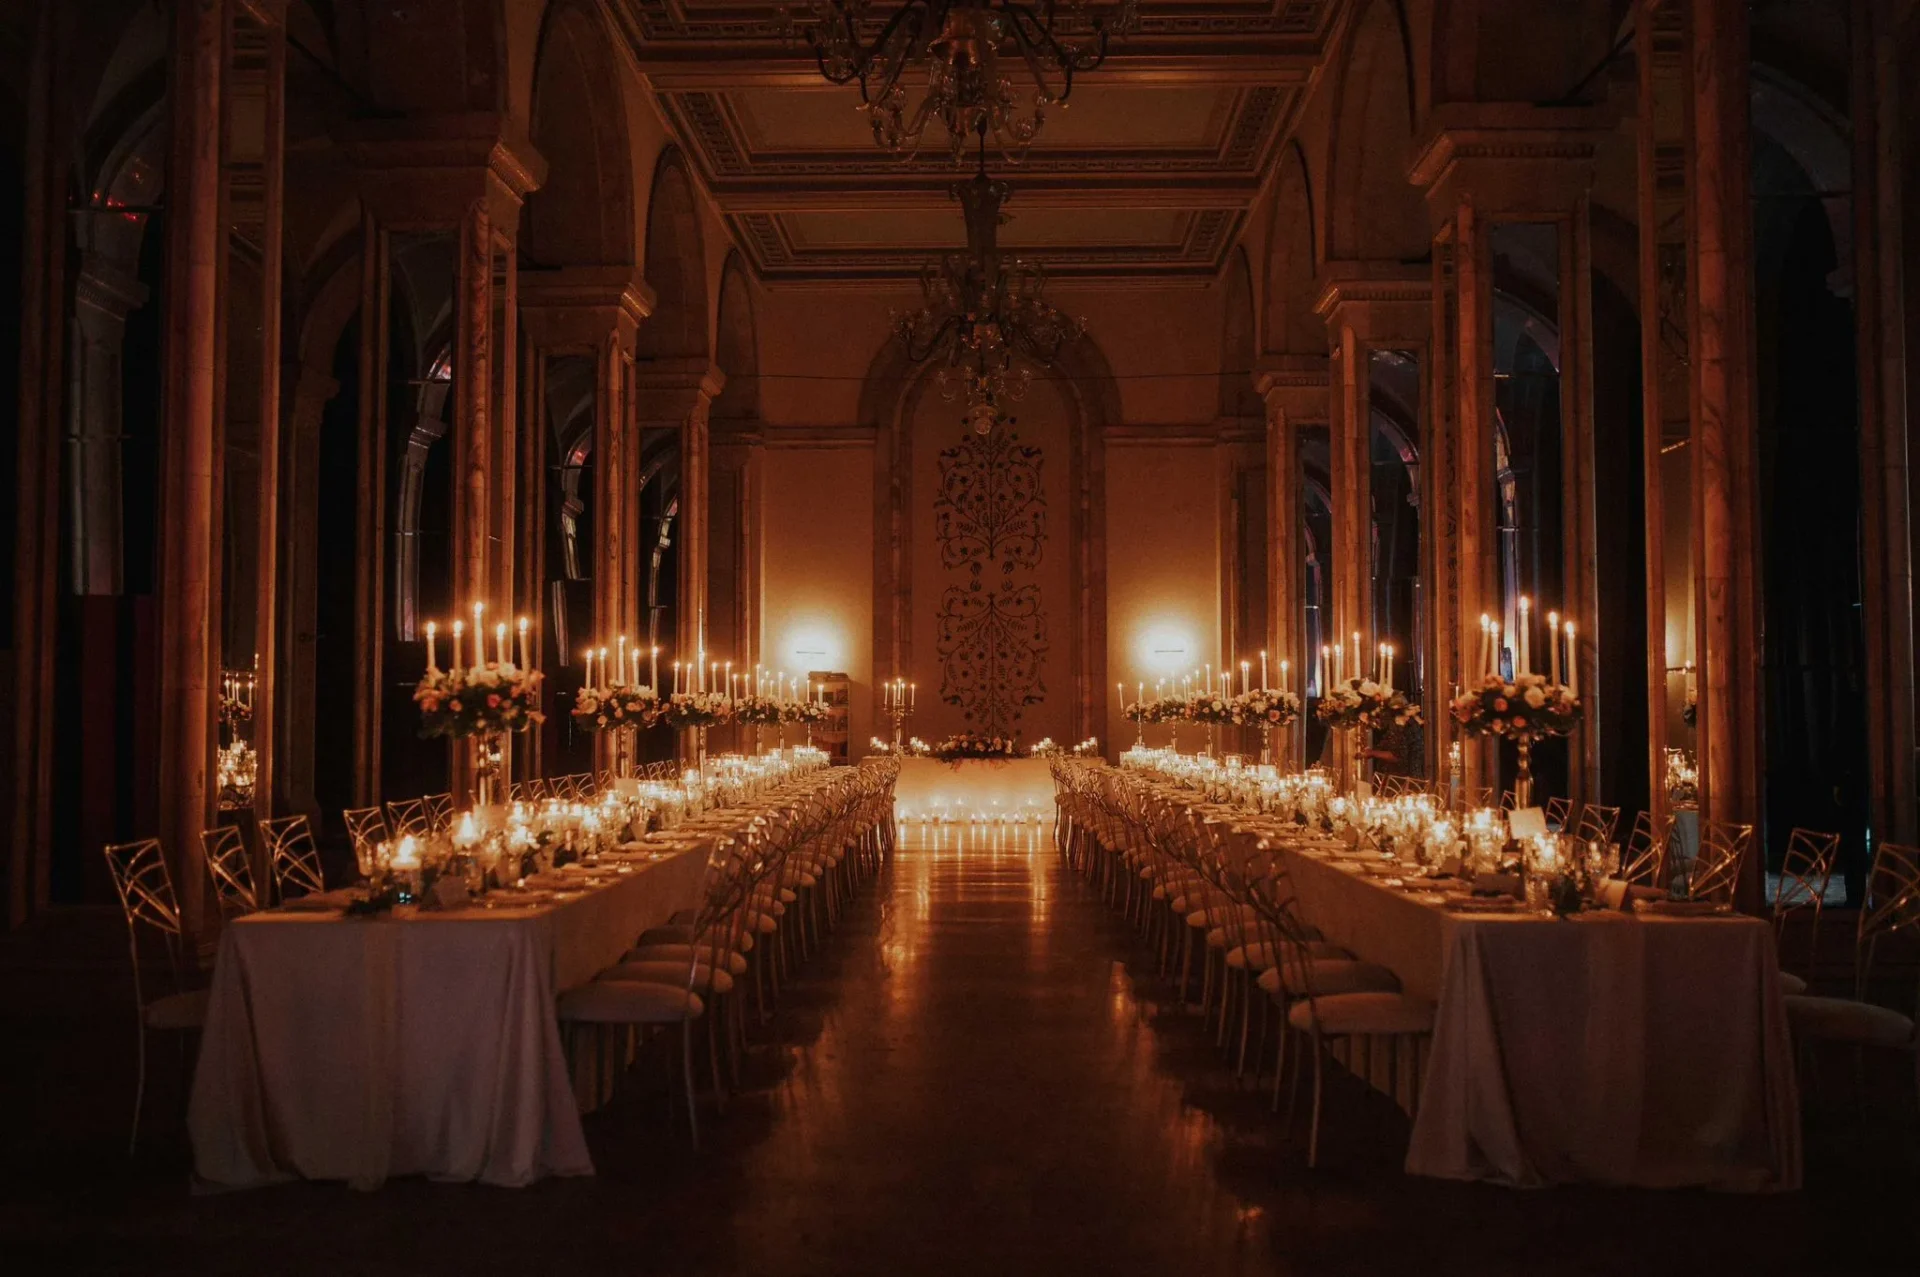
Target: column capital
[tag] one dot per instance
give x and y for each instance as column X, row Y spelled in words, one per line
column 422, row 172
column 670, row 390
column 1508, row 157
column 577, row 306
column 1295, row 387
column 1380, row 301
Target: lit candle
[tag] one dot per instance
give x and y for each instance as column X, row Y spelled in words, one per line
column 459, row 627
column 1553, row 646
column 1264, row 685
column 676, row 678
column 1573, row 662
column 653, row 672
column 1522, row 652
column 1485, row 661
column 1356, row 655
column 621, row 656
column 525, row 662
column 500, row 642
column 479, row 636
column 430, row 632
column 1246, row 679
column 1283, row 674
column 729, row 680
column 1389, row 667
column 913, row 695
column 1493, row 634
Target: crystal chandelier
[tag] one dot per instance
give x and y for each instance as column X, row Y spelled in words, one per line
column 971, row 49
column 983, row 311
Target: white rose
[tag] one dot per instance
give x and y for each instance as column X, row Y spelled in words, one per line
column 1369, row 688
column 1535, row 698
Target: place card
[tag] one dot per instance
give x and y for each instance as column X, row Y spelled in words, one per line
column 1524, row 823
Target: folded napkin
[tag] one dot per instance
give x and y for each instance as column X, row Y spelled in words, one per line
column 322, row 901
column 1680, row 908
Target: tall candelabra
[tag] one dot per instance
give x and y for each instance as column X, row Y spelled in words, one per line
column 900, row 699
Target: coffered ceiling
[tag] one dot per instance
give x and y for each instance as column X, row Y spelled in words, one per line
column 1149, row 172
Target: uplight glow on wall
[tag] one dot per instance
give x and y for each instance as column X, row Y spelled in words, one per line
column 811, row 645
column 1163, row 647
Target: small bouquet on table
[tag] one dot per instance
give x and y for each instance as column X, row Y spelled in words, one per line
column 482, row 701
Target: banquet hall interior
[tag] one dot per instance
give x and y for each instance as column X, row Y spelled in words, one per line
column 1040, row 636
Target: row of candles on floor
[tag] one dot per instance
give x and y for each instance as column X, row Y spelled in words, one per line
column 940, row 812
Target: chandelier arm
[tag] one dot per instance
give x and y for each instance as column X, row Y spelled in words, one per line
column 1070, row 58
column 897, row 64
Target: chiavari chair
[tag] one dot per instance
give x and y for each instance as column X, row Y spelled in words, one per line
column 1892, row 907
column 147, row 902
column 1805, row 873
column 1597, row 823
column 565, row 788
column 1507, row 800
column 292, row 856
column 1715, row 871
column 1560, row 814
column 439, row 812
column 408, row 816
column 230, row 865
column 1644, row 862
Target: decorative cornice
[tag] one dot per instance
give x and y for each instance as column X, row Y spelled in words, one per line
column 1459, row 133
column 579, row 305
column 1353, row 282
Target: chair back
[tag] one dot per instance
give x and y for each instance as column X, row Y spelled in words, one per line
column 144, row 885
column 1805, row 871
column 409, row 816
column 1560, row 814
column 1892, row 905
column 1644, row 859
column 1597, row 823
column 230, row 865
column 439, row 812
column 1715, row 871
column 292, row 856
column 367, row 827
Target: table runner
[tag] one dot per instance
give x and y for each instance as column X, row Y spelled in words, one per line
column 356, row 1049
column 1608, row 1048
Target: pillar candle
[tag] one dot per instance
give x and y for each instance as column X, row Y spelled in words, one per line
column 430, row 631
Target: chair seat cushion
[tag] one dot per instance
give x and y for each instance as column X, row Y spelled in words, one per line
column 1844, row 1020
column 704, row 978
column 733, row 960
column 1791, row 983
column 1266, row 954
column 629, row 1002
column 1373, row 1014
column 1333, row 976
column 177, row 1010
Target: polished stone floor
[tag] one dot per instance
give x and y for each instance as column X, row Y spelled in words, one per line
column 981, row 1073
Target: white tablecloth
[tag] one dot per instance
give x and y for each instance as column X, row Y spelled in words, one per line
column 356, row 1049
column 1612, row 1049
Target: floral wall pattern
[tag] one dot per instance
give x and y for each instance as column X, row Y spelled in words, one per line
column 990, row 524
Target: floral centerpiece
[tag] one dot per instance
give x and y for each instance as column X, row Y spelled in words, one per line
column 974, row 745
column 685, row 710
column 1209, row 709
column 759, row 711
column 484, row 700
column 804, row 712
column 1265, row 707
column 1361, row 702
column 603, row 709
column 1528, row 709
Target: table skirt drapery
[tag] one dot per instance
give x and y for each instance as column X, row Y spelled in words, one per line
column 360, row 1049
column 1648, row 1051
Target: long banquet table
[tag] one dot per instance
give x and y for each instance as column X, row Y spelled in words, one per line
column 360, row 1048
column 1609, row 1048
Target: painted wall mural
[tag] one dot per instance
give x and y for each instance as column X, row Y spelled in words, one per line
column 990, row 525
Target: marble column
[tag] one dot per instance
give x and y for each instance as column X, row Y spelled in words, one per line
column 1295, row 389
column 189, row 500
column 1480, row 165
column 1720, row 310
column 1368, row 306
column 678, row 395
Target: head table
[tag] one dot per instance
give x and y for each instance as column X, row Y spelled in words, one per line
column 416, row 1044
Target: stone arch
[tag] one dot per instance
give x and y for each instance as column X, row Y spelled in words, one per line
column 675, row 265
column 737, row 346
column 583, row 212
column 1238, row 341
column 1293, row 253
column 1374, row 213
